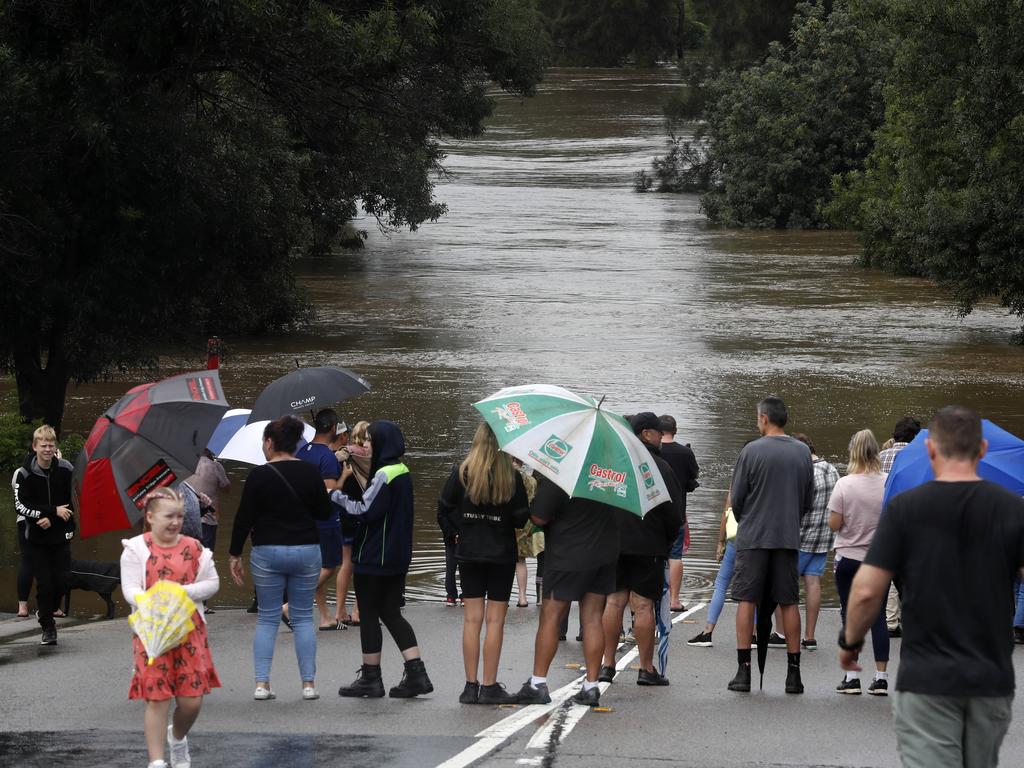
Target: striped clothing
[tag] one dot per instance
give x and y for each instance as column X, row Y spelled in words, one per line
column 815, row 535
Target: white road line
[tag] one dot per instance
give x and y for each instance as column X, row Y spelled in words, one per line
column 494, row 736
column 561, row 725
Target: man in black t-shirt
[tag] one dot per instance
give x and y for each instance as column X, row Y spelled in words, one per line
column 684, row 464
column 581, row 546
column 957, row 543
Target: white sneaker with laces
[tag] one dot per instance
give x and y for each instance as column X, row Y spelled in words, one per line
column 157, row 764
column 309, row 693
column 180, row 757
column 264, row 694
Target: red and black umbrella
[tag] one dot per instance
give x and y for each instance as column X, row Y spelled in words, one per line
column 151, row 437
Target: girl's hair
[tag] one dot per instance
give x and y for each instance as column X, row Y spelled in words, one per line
column 360, row 432
column 864, row 453
column 155, row 498
column 487, row 473
column 284, row 433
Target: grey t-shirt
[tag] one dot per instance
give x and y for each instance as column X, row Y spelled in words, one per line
column 772, row 488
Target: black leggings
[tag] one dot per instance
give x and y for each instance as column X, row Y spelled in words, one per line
column 24, row 567
column 50, row 566
column 380, row 597
column 846, row 569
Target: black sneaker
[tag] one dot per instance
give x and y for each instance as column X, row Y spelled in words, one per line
column 703, row 640
column 741, row 683
column 470, row 694
column 793, row 682
column 49, row 636
column 1018, row 635
column 849, row 686
column 530, row 695
column 651, row 677
column 588, row 698
column 896, row 631
column 607, row 675
column 496, row 694
column 775, row 640
column 579, row 638
column 561, row 638
column 809, row 645
column 879, row 688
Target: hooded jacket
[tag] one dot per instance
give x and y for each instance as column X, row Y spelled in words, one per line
column 383, row 536
column 654, row 534
column 37, row 494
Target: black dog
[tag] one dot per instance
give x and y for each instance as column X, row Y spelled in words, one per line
column 95, row 576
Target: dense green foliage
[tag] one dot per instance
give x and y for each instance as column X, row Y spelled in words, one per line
column 943, row 190
column 160, row 163
column 741, row 31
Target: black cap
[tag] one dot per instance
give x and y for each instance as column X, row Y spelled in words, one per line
column 645, row 420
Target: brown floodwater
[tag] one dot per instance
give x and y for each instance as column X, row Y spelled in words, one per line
column 548, row 268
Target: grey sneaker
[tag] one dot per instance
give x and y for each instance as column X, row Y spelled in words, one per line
column 178, row 750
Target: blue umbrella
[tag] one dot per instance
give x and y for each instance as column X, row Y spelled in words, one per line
column 230, row 422
column 1003, row 464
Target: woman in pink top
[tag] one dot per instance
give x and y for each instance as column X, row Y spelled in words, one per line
column 854, row 510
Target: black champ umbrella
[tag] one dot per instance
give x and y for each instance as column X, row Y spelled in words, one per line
column 152, row 437
column 307, row 389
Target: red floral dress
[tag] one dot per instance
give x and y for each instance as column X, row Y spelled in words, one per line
column 188, row 669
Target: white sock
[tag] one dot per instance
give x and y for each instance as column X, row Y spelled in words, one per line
column 850, row 676
column 535, row 681
column 881, row 675
column 589, row 686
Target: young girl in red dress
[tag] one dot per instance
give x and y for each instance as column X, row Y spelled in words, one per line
column 185, row 673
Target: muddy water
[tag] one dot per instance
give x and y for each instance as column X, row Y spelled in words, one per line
column 548, row 268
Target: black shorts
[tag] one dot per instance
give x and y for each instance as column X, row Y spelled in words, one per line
column 754, row 567
column 490, row 580
column 643, row 574
column 573, row 585
column 330, row 547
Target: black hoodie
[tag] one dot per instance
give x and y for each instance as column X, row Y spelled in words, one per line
column 37, row 494
column 486, row 533
column 383, row 538
column 654, row 534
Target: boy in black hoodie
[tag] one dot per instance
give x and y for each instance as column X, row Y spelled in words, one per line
column 42, row 495
column 381, row 554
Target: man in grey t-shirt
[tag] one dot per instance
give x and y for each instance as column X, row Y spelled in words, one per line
column 772, row 489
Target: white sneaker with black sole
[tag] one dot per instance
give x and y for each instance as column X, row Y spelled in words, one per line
column 703, row 640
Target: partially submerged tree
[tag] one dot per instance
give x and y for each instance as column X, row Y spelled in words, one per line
column 159, row 162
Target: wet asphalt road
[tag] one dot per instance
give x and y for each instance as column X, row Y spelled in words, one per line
column 68, row 706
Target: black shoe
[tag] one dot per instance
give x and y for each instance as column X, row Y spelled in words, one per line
column 496, row 694
column 703, row 640
column 896, row 631
column 809, row 645
column 652, row 677
column 49, row 636
column 470, row 694
column 775, row 640
column 561, row 638
column 591, row 698
column 579, row 638
column 741, row 683
column 253, row 607
column 607, row 675
column 367, row 684
column 414, row 681
column 851, row 687
column 879, row 688
column 1018, row 635
column 793, row 682
column 530, row 695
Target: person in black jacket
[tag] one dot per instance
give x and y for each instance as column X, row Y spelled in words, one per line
column 684, row 464
column 482, row 504
column 42, row 495
column 382, row 553
column 640, row 572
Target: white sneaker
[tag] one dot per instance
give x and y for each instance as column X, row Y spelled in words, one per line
column 157, row 764
column 180, row 757
column 309, row 693
column 264, row 694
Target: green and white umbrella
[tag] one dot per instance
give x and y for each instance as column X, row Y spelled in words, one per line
column 585, row 450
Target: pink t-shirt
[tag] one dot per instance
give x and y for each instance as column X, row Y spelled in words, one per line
column 858, row 499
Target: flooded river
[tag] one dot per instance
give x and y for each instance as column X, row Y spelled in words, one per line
column 548, row 268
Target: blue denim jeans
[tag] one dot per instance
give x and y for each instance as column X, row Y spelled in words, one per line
column 1018, row 616
column 722, row 581
column 275, row 571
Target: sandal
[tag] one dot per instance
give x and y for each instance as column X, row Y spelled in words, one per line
column 522, row 605
column 287, row 622
column 333, row 627
column 59, row 614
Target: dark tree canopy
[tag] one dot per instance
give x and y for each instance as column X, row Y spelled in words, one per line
column 610, row 33
column 161, row 162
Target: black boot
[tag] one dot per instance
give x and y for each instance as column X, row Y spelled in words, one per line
column 367, row 684
column 414, row 681
column 793, row 682
column 741, row 683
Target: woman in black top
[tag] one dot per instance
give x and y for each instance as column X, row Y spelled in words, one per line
column 482, row 504
column 280, row 503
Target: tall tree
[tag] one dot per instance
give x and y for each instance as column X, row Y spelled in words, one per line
column 159, row 162
column 944, row 186
column 610, row 33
